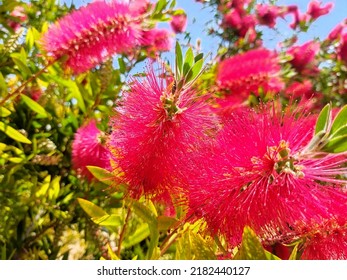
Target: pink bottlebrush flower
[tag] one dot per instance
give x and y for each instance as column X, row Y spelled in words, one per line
column 248, row 23
column 232, row 19
column 342, row 50
column 259, row 175
column 301, row 90
column 336, row 32
column 156, row 129
column 92, row 34
column 179, row 23
column 304, row 91
column 238, row 4
column 88, row 149
column 268, row 14
column 139, row 7
column 315, row 10
column 225, row 105
column 250, row 72
column 156, row 40
column 304, row 57
column 299, row 19
column 19, row 16
column 325, row 241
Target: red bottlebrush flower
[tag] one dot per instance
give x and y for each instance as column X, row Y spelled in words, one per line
column 304, row 57
column 157, row 128
column 88, row 149
column 267, row 14
column 326, row 241
column 92, row 34
column 259, row 175
column 314, row 9
column 156, row 40
column 179, row 23
column 249, row 72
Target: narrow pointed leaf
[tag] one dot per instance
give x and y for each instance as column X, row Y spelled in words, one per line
column 188, row 61
column 179, row 60
column 324, row 119
column 91, row 209
column 340, row 120
column 13, row 133
column 4, row 112
column 33, row 105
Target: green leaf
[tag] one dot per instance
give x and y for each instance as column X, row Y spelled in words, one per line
column 3, row 86
column 91, row 209
column 324, row 119
column 4, row 112
column 113, row 256
column 161, row 4
column 340, row 120
column 164, row 223
column 191, row 246
column 54, row 188
column 173, row 4
column 140, row 234
column 23, row 68
column 179, row 60
column 195, row 71
column 112, row 220
column 33, row 105
column 337, row 144
column 294, row 253
column 13, row 133
column 198, row 57
column 122, row 66
column 42, row 191
column 251, row 248
column 150, row 218
column 188, row 61
column 103, row 175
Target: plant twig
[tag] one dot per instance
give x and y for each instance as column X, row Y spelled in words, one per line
column 122, row 233
column 19, row 90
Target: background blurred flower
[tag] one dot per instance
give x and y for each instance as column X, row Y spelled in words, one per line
column 88, row 149
column 250, row 72
column 92, row 34
column 178, row 22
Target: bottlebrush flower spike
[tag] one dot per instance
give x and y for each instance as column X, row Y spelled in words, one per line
column 258, row 176
column 342, row 50
column 268, row 14
column 179, row 22
column 156, row 40
column 304, row 57
column 325, row 241
column 250, row 72
column 92, row 34
column 88, row 149
column 156, row 129
column 315, row 10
